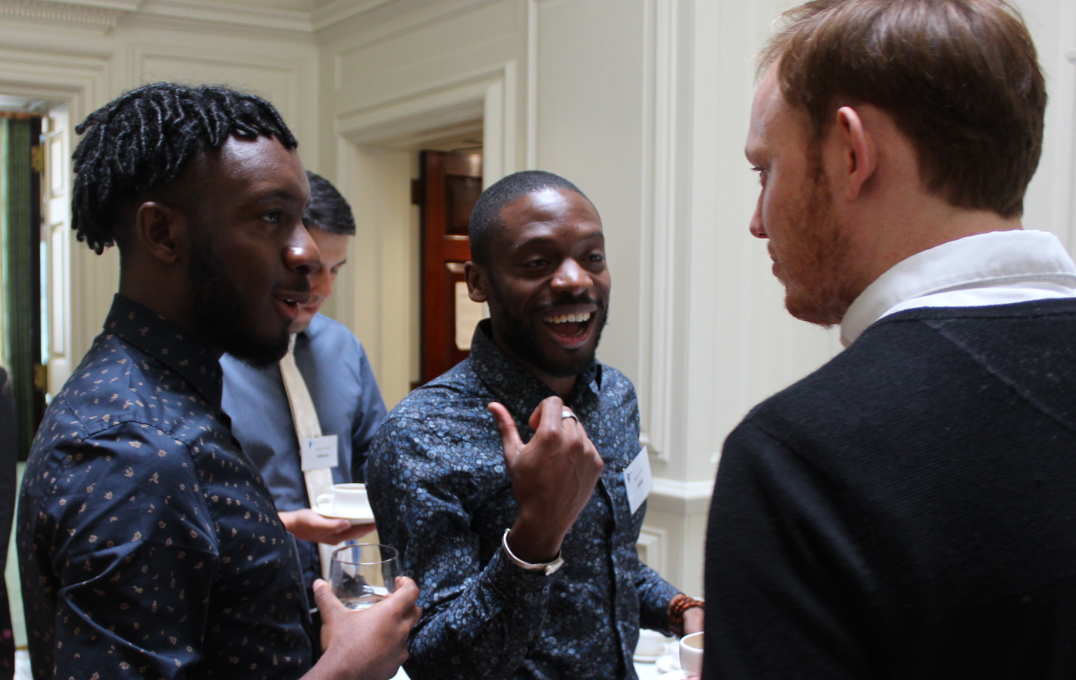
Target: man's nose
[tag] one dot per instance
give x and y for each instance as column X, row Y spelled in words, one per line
column 571, row 277
column 301, row 253
column 756, row 228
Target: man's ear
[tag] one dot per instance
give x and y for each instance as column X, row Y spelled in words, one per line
column 859, row 153
column 160, row 231
column 476, row 282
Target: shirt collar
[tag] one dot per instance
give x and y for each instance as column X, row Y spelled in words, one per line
column 154, row 335
column 515, row 386
column 317, row 323
column 993, row 258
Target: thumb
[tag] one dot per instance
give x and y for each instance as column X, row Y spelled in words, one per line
column 328, row 604
column 510, row 441
column 406, row 593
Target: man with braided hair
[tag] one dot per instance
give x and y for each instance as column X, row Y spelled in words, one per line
column 149, row 545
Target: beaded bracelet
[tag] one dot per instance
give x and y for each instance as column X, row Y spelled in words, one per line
column 680, row 604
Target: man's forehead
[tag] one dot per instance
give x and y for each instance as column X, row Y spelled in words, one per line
column 547, row 204
column 771, row 115
column 762, row 104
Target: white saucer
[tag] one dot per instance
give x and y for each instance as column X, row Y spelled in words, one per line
column 364, row 516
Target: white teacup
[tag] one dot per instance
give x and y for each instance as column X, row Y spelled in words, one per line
column 345, row 500
column 691, row 653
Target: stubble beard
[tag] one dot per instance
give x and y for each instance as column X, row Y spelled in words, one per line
column 817, row 291
column 520, row 338
column 221, row 312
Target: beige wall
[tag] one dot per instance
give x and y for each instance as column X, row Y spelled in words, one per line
column 644, row 103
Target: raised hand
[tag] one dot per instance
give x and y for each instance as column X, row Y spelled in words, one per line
column 553, row 476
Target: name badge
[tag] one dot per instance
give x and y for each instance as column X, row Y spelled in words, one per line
column 318, row 452
column 638, row 481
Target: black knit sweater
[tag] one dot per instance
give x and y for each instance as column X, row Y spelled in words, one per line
column 908, row 510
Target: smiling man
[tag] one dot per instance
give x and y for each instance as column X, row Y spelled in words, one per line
column 526, row 553
column 148, row 544
column 332, row 365
column 908, row 510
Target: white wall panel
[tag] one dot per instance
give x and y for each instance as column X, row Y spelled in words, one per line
column 1049, row 203
column 288, row 83
column 589, row 118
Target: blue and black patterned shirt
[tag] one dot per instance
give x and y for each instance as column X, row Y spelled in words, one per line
column 441, row 494
column 148, row 544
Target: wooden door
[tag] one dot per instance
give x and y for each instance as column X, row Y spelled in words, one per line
column 448, row 187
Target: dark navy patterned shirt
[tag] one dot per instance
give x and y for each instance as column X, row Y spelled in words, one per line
column 148, row 544
column 441, row 493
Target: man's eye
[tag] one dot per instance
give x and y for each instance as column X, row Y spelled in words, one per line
column 273, row 216
column 535, row 263
column 596, row 258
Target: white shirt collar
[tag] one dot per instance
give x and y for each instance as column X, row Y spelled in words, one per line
column 997, row 267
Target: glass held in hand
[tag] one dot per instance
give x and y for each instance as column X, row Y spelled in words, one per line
column 362, row 574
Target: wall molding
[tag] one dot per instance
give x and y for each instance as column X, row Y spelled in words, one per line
column 488, row 94
column 86, row 15
column 680, row 498
column 652, row 547
column 213, row 12
column 104, row 15
column 657, row 348
column 341, row 10
column 409, row 22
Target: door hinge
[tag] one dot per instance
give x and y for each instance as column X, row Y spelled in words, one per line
column 417, row 191
column 41, row 378
column 37, row 158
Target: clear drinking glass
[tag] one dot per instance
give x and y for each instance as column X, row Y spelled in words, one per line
column 362, row 574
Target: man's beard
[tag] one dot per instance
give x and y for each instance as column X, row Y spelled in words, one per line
column 222, row 314
column 822, row 294
column 520, row 338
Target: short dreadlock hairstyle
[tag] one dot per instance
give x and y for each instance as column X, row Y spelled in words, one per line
column 142, row 140
column 327, row 209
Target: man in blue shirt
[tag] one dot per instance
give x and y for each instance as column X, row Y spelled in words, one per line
column 148, row 544
column 340, row 381
column 526, row 553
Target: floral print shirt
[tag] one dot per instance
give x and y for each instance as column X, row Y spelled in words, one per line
column 148, row 544
column 441, row 494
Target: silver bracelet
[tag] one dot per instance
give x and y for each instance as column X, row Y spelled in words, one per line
column 549, row 568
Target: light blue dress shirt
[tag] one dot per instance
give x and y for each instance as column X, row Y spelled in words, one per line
column 348, row 402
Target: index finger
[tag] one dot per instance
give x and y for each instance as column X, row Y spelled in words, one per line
column 547, row 415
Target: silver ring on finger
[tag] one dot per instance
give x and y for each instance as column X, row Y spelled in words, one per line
column 566, row 413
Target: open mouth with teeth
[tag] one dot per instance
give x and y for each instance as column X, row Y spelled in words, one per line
column 289, row 304
column 570, row 326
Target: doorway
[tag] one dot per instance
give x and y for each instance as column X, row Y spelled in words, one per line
column 447, row 189
column 22, row 379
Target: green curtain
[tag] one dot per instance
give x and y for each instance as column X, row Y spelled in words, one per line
column 19, row 236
